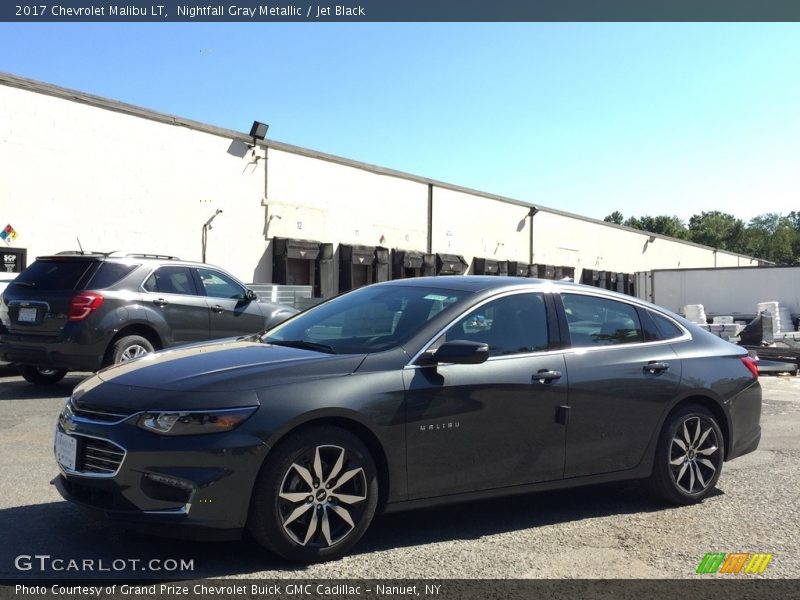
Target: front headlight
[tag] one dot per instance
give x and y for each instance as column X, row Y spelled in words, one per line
column 195, row 422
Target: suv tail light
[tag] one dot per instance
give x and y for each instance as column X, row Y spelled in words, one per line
column 84, row 304
column 751, row 365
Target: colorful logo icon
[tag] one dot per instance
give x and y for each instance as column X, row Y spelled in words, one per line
column 734, row 562
column 8, row 234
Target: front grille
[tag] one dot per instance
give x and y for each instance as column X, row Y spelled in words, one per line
column 95, row 414
column 100, row 457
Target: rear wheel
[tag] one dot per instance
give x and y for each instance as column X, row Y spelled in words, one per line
column 130, row 347
column 41, row 376
column 315, row 496
column 689, row 456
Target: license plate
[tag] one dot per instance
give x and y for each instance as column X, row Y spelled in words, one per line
column 66, row 449
column 27, row 315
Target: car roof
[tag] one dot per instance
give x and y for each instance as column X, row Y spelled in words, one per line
column 473, row 283
column 486, row 283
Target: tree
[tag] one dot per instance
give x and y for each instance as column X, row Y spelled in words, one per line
column 663, row 224
column 718, row 230
column 615, row 217
column 773, row 237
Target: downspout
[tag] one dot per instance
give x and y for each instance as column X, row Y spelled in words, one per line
column 430, row 219
column 531, row 213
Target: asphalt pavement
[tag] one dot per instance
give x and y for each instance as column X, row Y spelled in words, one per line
column 609, row 531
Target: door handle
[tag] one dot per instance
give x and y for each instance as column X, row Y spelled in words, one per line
column 656, row 367
column 217, row 308
column 160, row 302
column 546, row 376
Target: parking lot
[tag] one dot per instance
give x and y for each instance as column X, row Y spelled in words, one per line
column 598, row 532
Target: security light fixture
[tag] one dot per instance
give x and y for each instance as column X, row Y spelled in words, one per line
column 258, row 131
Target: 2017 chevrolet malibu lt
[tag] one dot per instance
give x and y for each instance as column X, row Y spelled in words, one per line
column 407, row 394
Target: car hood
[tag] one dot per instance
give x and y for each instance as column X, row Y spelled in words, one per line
column 228, row 366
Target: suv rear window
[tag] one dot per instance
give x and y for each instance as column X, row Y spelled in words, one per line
column 54, row 274
column 110, row 273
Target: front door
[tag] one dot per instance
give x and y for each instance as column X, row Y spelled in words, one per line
column 232, row 313
column 492, row 425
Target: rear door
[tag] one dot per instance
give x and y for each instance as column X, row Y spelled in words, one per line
column 37, row 301
column 232, row 313
column 172, row 293
column 620, row 381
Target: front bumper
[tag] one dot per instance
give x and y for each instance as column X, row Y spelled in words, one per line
column 180, row 486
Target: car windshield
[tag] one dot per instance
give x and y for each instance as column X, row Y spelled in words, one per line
column 371, row 319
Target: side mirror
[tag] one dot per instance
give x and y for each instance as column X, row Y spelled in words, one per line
column 250, row 295
column 460, row 352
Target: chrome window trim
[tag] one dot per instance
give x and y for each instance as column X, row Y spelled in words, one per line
column 687, row 336
column 218, row 271
column 552, row 289
column 543, row 290
column 150, row 274
column 72, row 473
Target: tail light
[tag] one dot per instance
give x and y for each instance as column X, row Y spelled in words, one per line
column 751, row 365
column 84, row 304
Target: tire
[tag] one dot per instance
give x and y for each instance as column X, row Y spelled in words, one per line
column 130, row 347
column 689, row 456
column 292, row 518
column 41, row 376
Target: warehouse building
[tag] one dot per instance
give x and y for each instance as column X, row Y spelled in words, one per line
column 120, row 177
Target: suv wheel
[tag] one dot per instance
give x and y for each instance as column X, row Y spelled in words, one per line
column 315, row 496
column 41, row 376
column 130, row 347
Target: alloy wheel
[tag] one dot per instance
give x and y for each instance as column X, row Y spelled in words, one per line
column 131, row 352
column 322, row 497
column 694, row 455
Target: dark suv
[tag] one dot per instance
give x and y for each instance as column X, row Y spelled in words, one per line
column 84, row 311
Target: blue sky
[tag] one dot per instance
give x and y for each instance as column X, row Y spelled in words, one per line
column 589, row 118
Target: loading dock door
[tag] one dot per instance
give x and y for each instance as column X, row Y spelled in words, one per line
column 450, row 264
column 294, row 261
column 484, row 266
column 409, row 263
column 356, row 266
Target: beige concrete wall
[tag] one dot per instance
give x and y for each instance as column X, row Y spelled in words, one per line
column 561, row 240
column 132, row 180
column 122, row 182
column 473, row 226
column 317, row 199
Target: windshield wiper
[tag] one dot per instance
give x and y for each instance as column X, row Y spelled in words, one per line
column 25, row 283
column 302, row 344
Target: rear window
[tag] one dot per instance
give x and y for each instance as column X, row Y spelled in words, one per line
column 54, row 274
column 110, row 273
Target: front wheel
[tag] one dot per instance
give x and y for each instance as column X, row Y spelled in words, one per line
column 41, row 376
column 689, row 456
column 315, row 496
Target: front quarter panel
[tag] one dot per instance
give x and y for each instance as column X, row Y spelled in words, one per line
column 373, row 400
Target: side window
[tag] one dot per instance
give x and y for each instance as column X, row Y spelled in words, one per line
column 110, row 273
column 171, row 280
column 510, row 325
column 219, row 285
column 597, row 321
column 667, row 330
